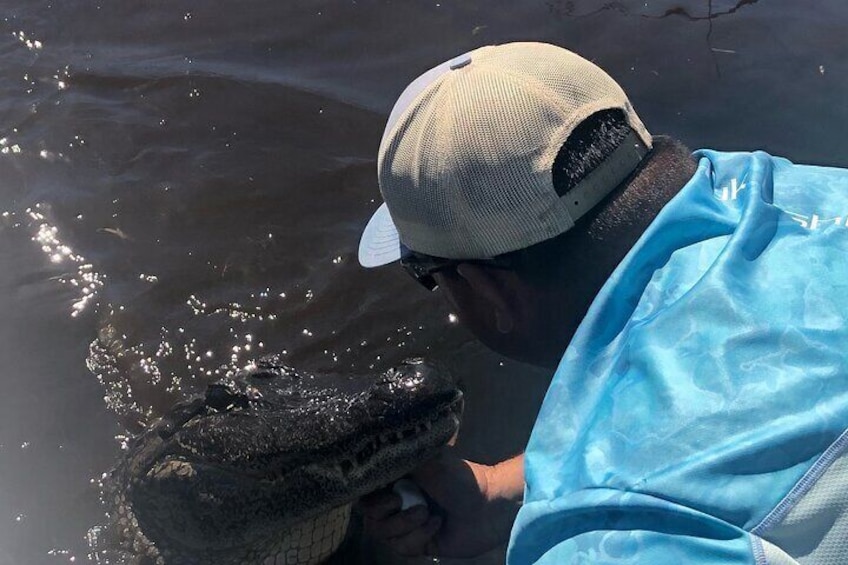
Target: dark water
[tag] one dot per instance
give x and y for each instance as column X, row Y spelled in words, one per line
column 183, row 184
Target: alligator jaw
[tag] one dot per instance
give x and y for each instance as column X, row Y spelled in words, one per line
column 435, row 429
column 231, row 477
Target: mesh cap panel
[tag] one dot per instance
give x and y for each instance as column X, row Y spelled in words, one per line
column 466, row 169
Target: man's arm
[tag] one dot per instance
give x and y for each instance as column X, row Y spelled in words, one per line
column 472, row 508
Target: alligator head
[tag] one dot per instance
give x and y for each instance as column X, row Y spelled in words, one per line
column 231, row 476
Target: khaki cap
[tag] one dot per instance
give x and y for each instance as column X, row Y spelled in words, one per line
column 465, row 163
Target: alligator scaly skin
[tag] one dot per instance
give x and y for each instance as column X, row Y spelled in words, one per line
column 263, row 469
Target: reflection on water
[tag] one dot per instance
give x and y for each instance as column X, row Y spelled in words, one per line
column 83, row 277
column 182, row 188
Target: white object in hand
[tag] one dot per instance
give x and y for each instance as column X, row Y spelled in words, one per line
column 409, row 493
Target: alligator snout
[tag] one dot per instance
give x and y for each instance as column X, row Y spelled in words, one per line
column 222, row 478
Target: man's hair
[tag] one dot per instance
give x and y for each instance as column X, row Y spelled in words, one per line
column 588, row 145
column 642, row 194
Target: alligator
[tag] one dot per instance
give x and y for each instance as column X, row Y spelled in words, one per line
column 263, row 468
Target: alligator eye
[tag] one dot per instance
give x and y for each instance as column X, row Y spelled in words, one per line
column 263, row 374
column 263, row 371
column 218, row 396
column 164, row 428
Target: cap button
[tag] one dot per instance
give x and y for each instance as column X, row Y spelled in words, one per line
column 459, row 62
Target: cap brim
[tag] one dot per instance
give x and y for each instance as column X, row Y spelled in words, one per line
column 380, row 243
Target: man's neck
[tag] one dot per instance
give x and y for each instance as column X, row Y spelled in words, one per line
column 614, row 230
column 634, row 206
column 593, row 250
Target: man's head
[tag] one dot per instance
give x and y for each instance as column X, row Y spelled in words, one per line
column 498, row 169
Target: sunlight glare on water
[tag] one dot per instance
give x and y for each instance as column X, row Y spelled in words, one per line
column 85, row 279
column 183, row 187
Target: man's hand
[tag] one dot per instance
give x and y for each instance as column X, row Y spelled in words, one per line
column 471, row 511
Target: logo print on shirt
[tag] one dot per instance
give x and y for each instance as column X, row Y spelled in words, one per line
column 814, row 221
column 731, row 192
column 808, row 221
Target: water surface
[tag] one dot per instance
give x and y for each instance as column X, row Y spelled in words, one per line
column 183, row 184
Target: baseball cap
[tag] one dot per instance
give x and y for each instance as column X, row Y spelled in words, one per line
column 465, row 162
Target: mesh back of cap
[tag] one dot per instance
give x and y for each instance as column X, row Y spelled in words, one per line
column 466, row 170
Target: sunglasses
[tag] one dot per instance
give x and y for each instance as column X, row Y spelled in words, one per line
column 422, row 267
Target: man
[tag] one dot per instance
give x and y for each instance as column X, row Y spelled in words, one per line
column 698, row 412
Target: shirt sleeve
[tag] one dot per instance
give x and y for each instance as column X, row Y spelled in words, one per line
column 607, row 527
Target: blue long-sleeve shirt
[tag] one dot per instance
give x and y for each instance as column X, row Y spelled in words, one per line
column 699, row 414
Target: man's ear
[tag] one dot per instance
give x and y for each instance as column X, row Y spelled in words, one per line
column 486, row 286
